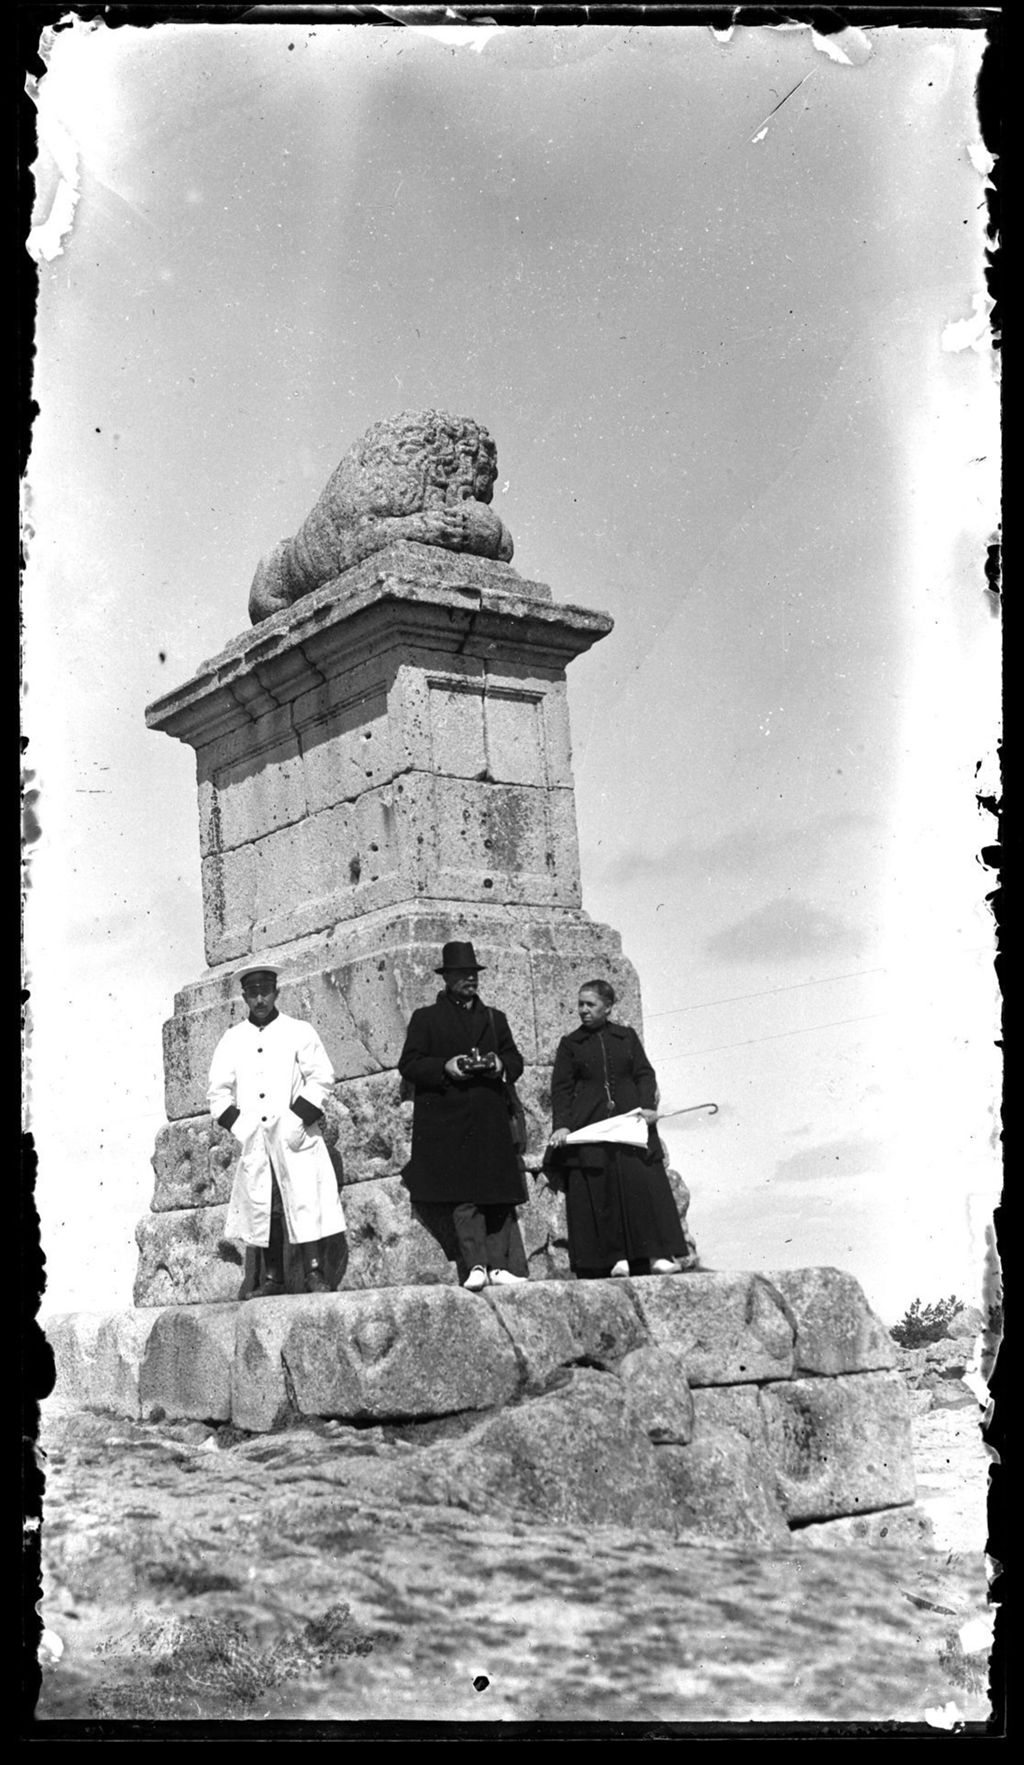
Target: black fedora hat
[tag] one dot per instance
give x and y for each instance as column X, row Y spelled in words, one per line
column 457, row 955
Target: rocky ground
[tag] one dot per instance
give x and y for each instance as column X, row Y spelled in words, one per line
column 193, row 1573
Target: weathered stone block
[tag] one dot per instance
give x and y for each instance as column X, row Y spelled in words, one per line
column 734, row 1408
column 506, row 843
column 370, row 1122
column 561, row 965
column 186, row 1368
column 180, row 1259
column 836, row 1332
column 98, row 1356
column 194, row 1164
column 731, row 1328
column 229, row 903
column 553, row 1324
column 261, row 788
column 655, row 1381
column 388, row 1242
column 840, row 1445
column 189, row 1040
column 72, row 1338
column 721, row 1489
column 120, row 1347
column 893, row 1528
column 541, row 1224
column 576, row 1456
column 378, row 1356
column 347, row 742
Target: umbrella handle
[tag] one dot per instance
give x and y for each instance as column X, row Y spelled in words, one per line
column 712, row 1107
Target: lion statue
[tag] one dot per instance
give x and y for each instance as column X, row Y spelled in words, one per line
column 423, row 475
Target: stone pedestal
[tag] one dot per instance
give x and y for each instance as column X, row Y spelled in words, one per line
column 382, row 767
column 742, row 1407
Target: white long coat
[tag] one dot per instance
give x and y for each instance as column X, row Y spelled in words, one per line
column 262, row 1071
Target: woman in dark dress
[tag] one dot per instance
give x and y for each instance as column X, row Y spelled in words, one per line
column 619, row 1206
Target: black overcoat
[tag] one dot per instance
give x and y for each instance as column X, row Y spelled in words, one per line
column 461, row 1133
column 585, row 1061
column 618, row 1200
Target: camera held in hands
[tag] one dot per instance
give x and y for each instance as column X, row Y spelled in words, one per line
column 474, row 1061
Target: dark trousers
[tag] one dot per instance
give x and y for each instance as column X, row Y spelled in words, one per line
column 484, row 1234
column 273, row 1256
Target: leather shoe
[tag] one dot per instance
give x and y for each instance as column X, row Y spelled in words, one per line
column 269, row 1288
column 505, row 1278
column 664, row 1266
column 315, row 1282
column 621, row 1268
column 476, row 1280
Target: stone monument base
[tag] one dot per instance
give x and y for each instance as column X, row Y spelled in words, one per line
column 741, row 1407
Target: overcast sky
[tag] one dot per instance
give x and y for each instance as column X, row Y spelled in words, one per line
column 740, row 384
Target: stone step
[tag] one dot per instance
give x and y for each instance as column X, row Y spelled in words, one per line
column 738, row 1404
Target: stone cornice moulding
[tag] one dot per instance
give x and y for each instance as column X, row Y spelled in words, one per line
column 407, row 597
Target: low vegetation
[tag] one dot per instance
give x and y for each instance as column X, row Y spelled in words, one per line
column 922, row 1323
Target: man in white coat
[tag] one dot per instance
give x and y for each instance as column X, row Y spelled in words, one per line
column 269, row 1080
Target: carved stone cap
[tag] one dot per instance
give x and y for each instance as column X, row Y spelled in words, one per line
column 409, row 596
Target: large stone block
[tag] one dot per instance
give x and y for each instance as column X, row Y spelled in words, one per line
column 513, row 844
column 558, row 1323
column 469, row 717
column 384, row 1356
column 186, row 1367
column 541, row 1224
column 576, row 1456
column 734, row 1409
column 121, row 1344
column 655, row 1381
column 257, row 787
column 348, row 743
column 836, row 1331
column 229, row 903
column 194, row 1164
column 840, row 1446
column 731, row 1328
column 98, row 1359
column 720, row 1488
column 891, row 1528
column 72, row 1339
column 391, row 1244
column 370, row 1122
column 181, row 1261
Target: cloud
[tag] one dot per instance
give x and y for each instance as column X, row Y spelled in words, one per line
column 738, row 853
column 853, row 1157
column 786, row 930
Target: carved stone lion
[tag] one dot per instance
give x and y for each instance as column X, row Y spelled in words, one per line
column 423, row 475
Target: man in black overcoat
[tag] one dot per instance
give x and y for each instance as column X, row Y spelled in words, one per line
column 458, row 1057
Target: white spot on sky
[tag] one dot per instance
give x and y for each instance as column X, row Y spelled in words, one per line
column 969, row 333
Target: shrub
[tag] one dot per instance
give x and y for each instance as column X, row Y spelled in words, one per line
column 925, row 1323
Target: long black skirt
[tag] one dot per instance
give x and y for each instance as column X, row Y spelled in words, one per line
column 620, row 1211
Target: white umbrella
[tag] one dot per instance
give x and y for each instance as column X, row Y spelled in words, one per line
column 625, row 1130
column 619, row 1130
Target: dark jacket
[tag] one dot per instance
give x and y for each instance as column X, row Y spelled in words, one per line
column 461, row 1134
column 584, row 1061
